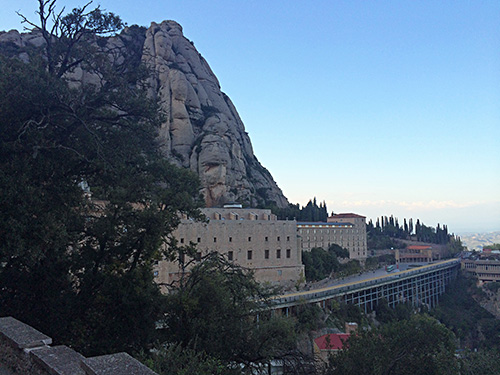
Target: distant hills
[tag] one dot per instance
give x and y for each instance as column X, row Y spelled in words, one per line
column 476, row 241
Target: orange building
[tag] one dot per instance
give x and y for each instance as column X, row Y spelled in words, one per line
column 417, row 254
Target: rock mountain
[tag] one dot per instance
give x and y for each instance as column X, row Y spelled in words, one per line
column 202, row 130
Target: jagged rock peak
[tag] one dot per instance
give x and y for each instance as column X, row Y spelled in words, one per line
column 202, row 130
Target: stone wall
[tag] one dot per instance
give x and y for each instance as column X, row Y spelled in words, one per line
column 252, row 238
column 26, row 351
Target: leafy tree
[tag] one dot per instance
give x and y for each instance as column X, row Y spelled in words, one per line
column 308, row 317
column 482, row 362
column 348, row 312
column 495, row 246
column 309, row 213
column 174, row 359
column 338, row 251
column 350, row 268
column 471, row 323
column 387, row 314
column 218, row 311
column 455, row 246
column 319, row 263
column 76, row 262
column 420, row 345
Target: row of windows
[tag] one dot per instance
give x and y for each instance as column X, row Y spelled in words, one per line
column 230, row 239
column 488, row 275
column 230, row 254
column 308, row 239
column 307, row 231
column 490, row 267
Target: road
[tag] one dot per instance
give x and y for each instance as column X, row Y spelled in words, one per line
column 356, row 278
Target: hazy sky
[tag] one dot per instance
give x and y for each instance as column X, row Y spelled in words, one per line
column 376, row 107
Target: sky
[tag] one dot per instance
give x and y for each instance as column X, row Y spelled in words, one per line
column 375, row 107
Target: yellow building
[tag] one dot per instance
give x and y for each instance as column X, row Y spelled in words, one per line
column 416, row 254
column 346, row 230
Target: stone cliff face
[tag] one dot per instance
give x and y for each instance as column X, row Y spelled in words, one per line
column 202, row 130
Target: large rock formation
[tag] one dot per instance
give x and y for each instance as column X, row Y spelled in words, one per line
column 202, row 130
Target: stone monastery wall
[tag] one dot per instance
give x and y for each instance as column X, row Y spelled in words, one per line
column 251, row 238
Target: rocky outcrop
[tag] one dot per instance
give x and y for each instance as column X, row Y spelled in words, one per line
column 202, row 130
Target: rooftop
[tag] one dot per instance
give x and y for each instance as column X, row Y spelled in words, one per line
column 322, row 223
column 347, row 216
column 331, row 341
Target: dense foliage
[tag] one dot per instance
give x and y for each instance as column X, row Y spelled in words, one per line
column 320, row 263
column 386, row 233
column 375, row 262
column 308, row 213
column 472, row 324
column 87, row 201
column 495, row 246
column 218, row 311
column 419, row 345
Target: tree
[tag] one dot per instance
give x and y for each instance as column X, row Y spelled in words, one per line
column 420, row 345
column 338, row 251
column 173, row 359
column 66, row 36
column 482, row 362
column 319, row 263
column 219, row 310
column 310, row 212
column 76, row 262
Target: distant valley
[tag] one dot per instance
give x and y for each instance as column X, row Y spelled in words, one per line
column 476, row 241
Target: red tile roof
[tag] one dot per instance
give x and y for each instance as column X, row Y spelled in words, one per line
column 332, row 341
column 419, row 247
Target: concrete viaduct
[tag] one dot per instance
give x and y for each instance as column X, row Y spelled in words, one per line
column 418, row 286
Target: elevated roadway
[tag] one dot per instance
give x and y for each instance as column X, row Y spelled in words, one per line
column 419, row 286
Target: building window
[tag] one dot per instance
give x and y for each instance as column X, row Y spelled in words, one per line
column 266, row 254
column 249, row 254
column 278, row 253
column 288, row 253
column 266, row 239
column 288, row 238
column 182, row 240
column 230, row 255
column 249, row 239
column 197, row 256
column 215, row 239
column 199, row 239
column 278, row 238
column 230, row 239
